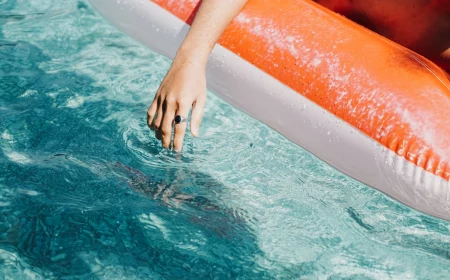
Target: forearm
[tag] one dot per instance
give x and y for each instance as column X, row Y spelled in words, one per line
column 211, row 20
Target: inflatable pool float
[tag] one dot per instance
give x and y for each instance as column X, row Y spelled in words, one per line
column 370, row 108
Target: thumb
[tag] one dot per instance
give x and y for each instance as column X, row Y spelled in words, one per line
column 196, row 117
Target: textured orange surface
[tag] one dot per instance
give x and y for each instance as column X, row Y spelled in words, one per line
column 388, row 92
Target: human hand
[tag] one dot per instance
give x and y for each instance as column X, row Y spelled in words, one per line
column 185, row 84
column 183, row 87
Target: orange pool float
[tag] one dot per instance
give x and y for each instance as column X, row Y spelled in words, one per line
column 390, row 103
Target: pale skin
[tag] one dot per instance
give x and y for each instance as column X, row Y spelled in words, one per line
column 422, row 25
column 185, row 84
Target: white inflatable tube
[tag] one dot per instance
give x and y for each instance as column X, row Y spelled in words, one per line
column 294, row 116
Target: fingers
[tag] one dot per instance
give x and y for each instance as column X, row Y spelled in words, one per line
column 180, row 128
column 197, row 115
column 160, row 118
column 156, row 123
column 151, row 113
column 167, row 122
column 159, row 114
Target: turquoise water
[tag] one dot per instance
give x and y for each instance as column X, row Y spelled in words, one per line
column 87, row 192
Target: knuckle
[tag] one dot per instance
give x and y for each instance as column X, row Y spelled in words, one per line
column 161, row 89
column 171, row 99
column 166, row 130
column 183, row 101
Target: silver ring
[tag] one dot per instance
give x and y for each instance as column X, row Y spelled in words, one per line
column 179, row 119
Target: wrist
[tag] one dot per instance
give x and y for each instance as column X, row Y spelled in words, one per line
column 193, row 55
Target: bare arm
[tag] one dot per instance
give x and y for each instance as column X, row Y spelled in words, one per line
column 185, row 85
column 211, row 20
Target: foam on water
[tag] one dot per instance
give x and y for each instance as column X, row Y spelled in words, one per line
column 86, row 191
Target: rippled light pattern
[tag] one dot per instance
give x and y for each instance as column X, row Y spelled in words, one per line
column 87, row 192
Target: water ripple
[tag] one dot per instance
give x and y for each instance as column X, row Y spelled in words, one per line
column 86, row 191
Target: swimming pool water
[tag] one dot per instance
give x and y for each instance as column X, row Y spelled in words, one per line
column 87, row 192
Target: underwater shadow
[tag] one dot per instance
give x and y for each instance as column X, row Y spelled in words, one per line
column 74, row 206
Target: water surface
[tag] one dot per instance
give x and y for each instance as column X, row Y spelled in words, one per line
column 86, row 191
